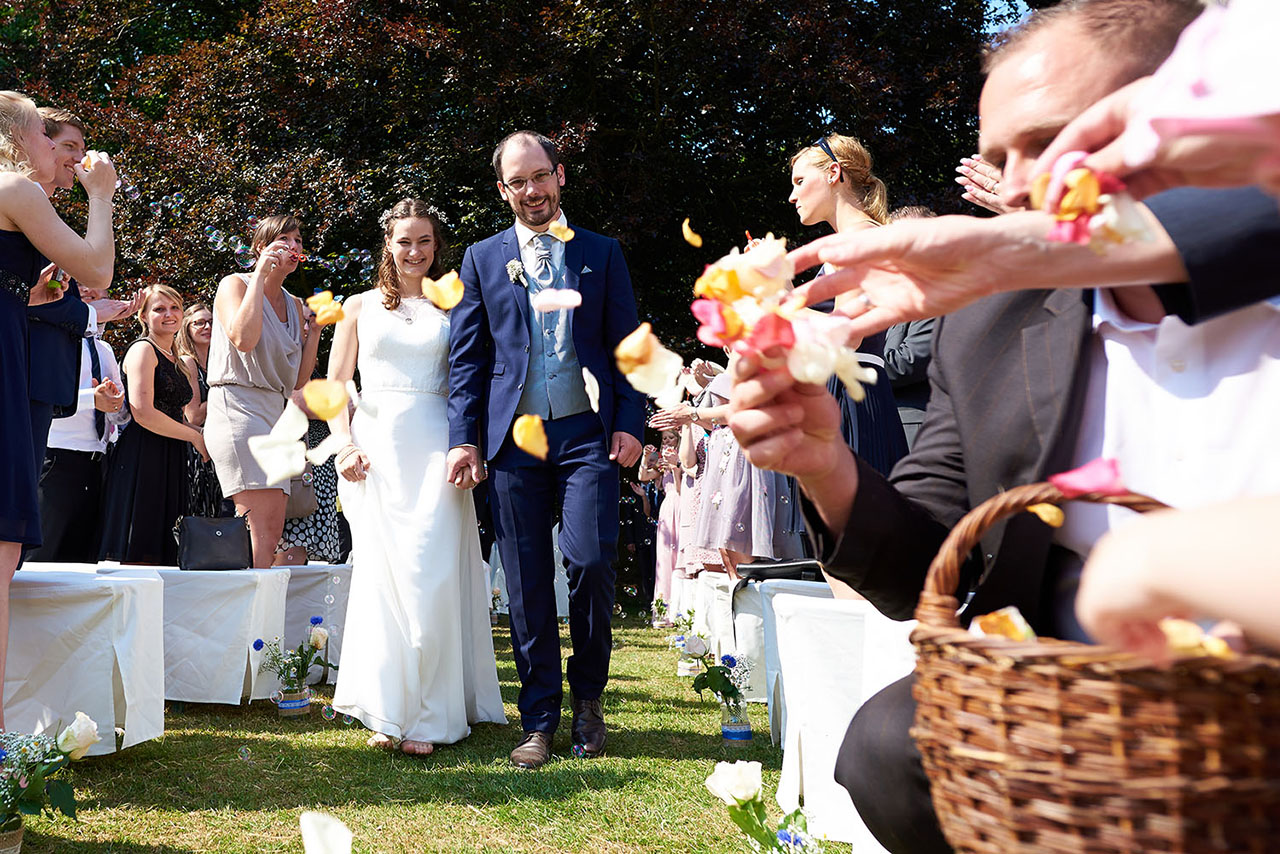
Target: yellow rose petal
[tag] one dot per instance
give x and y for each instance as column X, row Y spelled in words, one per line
column 530, row 436
column 562, row 232
column 326, row 398
column 690, row 236
column 1081, row 196
column 636, row 349
column 445, row 292
column 1050, row 514
column 1039, row 187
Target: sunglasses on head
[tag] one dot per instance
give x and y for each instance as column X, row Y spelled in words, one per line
column 822, row 143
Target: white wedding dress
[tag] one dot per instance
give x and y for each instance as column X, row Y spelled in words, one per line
column 417, row 653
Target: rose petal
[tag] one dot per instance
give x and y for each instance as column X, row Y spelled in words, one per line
column 812, row 361
column 1050, row 514
column 530, row 436
column 326, row 398
column 445, row 292
column 660, row 373
column 279, row 458
column 635, row 349
column 593, row 389
column 324, row 834
column 561, row 232
column 555, row 299
column 320, row 454
column 690, row 236
column 1102, row 476
column 771, row 331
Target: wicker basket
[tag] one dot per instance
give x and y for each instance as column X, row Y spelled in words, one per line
column 1050, row 746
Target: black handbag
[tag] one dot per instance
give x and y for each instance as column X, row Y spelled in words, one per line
column 213, row 543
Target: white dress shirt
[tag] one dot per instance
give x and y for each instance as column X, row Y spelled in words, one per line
column 525, row 236
column 1189, row 412
column 76, row 432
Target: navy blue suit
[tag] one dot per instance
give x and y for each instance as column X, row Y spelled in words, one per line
column 488, row 362
column 55, row 346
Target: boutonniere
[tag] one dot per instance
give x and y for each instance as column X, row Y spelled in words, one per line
column 515, row 272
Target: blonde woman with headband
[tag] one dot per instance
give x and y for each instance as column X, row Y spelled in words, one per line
column 832, row 183
column 147, row 477
column 32, row 235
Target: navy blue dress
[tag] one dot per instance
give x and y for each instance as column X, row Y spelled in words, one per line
column 873, row 428
column 20, row 266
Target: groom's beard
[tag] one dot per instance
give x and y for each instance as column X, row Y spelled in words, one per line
column 539, row 215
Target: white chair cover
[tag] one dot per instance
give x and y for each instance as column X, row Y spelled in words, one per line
column 82, row 642
column 713, row 614
column 756, row 637
column 318, row 590
column 835, row 654
column 211, row 620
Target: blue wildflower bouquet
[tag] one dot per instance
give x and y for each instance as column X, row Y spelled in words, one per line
column 726, row 679
column 29, row 771
column 293, row 666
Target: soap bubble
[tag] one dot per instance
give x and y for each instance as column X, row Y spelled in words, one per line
column 337, row 579
column 629, row 590
column 244, row 257
column 347, row 719
column 244, row 753
column 156, row 209
column 328, row 713
column 251, row 221
column 179, row 199
column 277, row 696
column 617, row 610
column 329, row 600
column 132, row 193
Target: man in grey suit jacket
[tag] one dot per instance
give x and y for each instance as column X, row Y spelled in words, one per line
column 1008, row 382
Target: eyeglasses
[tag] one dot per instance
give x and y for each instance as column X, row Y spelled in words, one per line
column 821, row 142
column 202, row 323
column 517, row 185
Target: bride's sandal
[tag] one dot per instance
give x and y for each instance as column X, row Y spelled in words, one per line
column 382, row 741
column 417, row 748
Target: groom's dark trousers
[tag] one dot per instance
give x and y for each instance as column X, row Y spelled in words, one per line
column 578, row 476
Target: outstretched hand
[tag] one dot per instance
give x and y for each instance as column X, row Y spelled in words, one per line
column 913, row 269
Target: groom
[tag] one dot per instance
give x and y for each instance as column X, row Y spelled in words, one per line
column 505, row 359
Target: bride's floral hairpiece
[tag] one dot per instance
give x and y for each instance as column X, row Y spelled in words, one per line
column 385, row 219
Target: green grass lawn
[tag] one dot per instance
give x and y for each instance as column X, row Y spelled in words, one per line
column 235, row 779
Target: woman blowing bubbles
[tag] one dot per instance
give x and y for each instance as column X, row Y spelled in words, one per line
column 263, row 347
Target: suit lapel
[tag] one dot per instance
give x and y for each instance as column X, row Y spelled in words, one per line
column 1056, row 362
column 518, row 290
column 573, row 251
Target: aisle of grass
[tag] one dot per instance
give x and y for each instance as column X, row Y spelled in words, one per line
column 235, row 779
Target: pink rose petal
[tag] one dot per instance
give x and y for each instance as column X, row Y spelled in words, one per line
column 1101, row 476
column 771, row 331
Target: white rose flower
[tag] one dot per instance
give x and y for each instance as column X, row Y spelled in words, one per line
column 735, row 784
column 77, row 738
column 695, row 645
column 319, row 637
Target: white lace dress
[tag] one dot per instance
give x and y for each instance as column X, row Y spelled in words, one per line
column 417, row 653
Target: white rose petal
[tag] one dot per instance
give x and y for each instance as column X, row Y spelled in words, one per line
column 324, row 834
column 280, row 459
column 658, row 374
column 555, row 299
column 812, row 360
column 319, row 455
column 593, row 389
column 358, row 402
column 319, row 637
column 853, row 373
column 79, row 736
column 736, row 784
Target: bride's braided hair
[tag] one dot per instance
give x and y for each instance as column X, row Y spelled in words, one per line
column 388, row 277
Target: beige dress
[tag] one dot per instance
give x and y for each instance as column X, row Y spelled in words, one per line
column 247, row 393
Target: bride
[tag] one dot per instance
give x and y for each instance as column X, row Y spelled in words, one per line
column 417, row 659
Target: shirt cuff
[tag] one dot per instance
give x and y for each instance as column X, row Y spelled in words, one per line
column 91, row 328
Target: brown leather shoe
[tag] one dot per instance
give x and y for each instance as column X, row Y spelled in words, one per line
column 533, row 750
column 588, row 728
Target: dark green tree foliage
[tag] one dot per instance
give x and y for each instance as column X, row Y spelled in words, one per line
column 333, row 109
